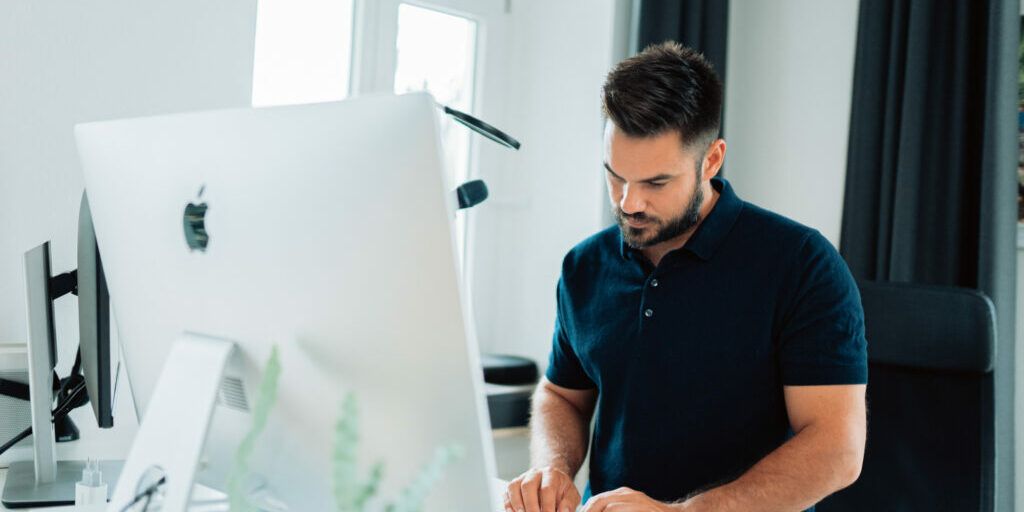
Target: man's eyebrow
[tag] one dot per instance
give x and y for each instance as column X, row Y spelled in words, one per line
column 609, row 169
column 660, row 177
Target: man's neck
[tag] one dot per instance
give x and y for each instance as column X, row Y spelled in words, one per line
column 655, row 252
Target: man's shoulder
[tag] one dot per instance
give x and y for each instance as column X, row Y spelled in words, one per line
column 767, row 228
column 592, row 250
column 801, row 249
column 758, row 218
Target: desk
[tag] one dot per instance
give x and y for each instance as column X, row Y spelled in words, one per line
column 114, row 444
column 3, row 478
column 202, row 493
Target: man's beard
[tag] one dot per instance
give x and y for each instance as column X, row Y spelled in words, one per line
column 665, row 231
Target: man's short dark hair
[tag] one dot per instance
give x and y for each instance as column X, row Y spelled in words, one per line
column 665, row 87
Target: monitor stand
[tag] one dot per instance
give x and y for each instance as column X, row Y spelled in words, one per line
column 44, row 481
column 21, row 489
column 176, row 422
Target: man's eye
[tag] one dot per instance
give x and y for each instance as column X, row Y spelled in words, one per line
column 657, row 184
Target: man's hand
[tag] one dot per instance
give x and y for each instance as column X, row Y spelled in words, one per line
column 542, row 490
column 625, row 499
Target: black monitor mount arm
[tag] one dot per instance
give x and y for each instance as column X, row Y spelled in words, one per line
column 474, row 192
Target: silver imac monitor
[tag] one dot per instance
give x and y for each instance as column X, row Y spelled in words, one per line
column 320, row 233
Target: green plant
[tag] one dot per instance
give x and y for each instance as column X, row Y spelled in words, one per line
column 411, row 498
column 266, row 396
column 350, row 494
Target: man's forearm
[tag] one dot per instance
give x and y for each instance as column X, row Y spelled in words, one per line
column 795, row 476
column 558, row 433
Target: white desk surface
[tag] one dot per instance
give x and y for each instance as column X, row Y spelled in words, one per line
column 497, row 486
column 113, row 444
column 98, row 508
column 201, row 493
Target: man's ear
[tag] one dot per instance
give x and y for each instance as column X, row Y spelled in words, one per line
column 713, row 159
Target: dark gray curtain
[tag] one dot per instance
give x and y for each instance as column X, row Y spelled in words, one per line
column 930, row 186
column 700, row 24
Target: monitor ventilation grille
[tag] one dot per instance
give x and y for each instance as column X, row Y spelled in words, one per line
column 232, row 394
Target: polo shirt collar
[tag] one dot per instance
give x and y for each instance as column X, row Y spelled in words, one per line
column 712, row 231
column 716, row 225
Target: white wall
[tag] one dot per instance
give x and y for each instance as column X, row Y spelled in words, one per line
column 62, row 62
column 66, row 61
column 789, row 80
column 548, row 196
column 788, row 90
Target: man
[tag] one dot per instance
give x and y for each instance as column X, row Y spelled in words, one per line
column 725, row 342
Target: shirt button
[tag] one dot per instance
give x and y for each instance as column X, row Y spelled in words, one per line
column 654, row 283
column 648, row 312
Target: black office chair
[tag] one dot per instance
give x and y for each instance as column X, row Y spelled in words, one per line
column 930, row 401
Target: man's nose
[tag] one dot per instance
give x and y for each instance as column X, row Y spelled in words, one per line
column 632, row 201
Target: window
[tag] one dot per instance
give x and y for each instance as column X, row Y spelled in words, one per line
column 303, row 51
column 304, row 54
column 436, row 52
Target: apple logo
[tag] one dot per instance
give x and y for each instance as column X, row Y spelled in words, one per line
column 195, row 227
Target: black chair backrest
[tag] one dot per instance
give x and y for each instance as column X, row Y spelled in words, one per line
column 931, row 352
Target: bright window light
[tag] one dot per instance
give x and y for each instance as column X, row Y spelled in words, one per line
column 436, row 52
column 303, row 51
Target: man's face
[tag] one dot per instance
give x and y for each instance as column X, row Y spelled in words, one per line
column 654, row 185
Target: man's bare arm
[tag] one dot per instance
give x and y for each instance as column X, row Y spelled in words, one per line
column 824, row 455
column 559, row 432
column 560, row 426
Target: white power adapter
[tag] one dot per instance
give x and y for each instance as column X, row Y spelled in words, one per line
column 91, row 490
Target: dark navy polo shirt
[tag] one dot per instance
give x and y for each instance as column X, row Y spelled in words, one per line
column 690, row 357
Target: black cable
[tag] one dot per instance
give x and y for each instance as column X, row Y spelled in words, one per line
column 146, row 494
column 24, row 433
column 14, row 389
column 63, row 408
column 60, row 385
